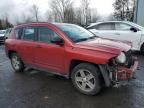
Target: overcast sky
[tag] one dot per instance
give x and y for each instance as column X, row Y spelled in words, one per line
column 14, row 8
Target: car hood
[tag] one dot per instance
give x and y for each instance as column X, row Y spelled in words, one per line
column 106, row 45
column 1, row 35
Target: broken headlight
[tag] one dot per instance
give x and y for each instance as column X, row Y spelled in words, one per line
column 121, row 58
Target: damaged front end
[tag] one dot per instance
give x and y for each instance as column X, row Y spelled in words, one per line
column 121, row 69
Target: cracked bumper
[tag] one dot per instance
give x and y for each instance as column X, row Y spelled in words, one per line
column 124, row 73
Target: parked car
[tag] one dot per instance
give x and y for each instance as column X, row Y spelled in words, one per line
column 120, row 30
column 2, row 38
column 8, row 30
column 71, row 51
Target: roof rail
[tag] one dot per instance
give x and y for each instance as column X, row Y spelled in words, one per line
column 31, row 23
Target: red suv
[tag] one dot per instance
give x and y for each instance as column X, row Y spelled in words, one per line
column 71, row 51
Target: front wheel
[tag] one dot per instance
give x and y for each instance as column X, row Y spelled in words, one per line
column 85, row 78
column 17, row 64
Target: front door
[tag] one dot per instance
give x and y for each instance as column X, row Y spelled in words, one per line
column 48, row 55
column 125, row 34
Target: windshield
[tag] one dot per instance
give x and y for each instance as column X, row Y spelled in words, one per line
column 2, row 32
column 136, row 25
column 76, row 33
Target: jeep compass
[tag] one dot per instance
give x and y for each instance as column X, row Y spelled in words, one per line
column 73, row 52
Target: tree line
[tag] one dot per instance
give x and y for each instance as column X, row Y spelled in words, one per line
column 65, row 11
column 4, row 24
column 124, row 9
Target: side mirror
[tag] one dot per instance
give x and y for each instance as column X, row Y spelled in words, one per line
column 133, row 29
column 58, row 41
column 6, row 37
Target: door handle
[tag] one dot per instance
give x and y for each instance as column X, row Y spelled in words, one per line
column 37, row 46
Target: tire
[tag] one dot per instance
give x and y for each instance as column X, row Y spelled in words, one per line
column 85, row 78
column 16, row 63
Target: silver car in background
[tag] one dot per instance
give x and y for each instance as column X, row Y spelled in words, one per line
column 2, row 36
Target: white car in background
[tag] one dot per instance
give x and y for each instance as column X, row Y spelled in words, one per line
column 7, row 33
column 120, row 30
column 2, row 35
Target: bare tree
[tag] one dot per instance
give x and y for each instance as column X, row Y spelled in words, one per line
column 110, row 17
column 78, row 16
column 60, row 9
column 49, row 17
column 35, row 12
column 85, row 10
column 94, row 17
column 132, row 6
column 85, row 17
column 63, row 11
column 124, row 9
column 26, row 18
column 69, row 15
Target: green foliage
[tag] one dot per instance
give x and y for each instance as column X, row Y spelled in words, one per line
column 5, row 24
column 1, row 25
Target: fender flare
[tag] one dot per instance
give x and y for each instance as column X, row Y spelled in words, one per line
column 105, row 75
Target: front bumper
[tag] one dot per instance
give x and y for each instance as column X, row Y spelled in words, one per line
column 125, row 73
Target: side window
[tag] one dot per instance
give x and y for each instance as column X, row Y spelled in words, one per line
column 122, row 26
column 46, row 35
column 29, row 33
column 105, row 26
column 18, row 32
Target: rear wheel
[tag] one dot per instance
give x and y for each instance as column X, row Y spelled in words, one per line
column 85, row 78
column 17, row 64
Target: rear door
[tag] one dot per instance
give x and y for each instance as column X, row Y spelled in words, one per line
column 48, row 55
column 26, row 43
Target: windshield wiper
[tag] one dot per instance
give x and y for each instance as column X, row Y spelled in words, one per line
column 93, row 37
column 83, row 39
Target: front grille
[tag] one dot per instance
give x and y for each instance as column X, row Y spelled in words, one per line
column 2, row 38
column 129, row 58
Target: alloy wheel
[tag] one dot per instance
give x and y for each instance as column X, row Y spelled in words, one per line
column 15, row 62
column 85, row 80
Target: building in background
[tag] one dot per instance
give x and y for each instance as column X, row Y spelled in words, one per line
column 139, row 12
